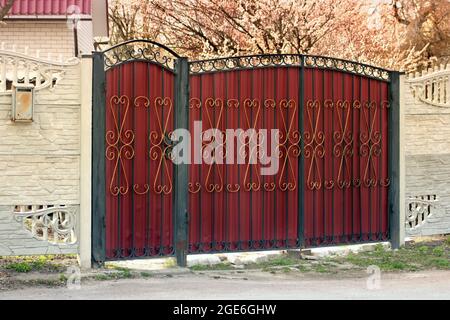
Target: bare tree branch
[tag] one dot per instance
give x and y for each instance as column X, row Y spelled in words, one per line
column 4, row 9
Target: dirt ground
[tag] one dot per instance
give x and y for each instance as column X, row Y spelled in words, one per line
column 421, row 269
column 214, row 285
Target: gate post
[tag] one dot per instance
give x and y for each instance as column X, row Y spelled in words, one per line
column 301, row 161
column 181, row 172
column 85, row 226
column 98, row 159
column 396, row 164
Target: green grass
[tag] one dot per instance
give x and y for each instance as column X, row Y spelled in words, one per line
column 447, row 241
column 32, row 263
column 102, row 277
column 303, row 268
column 22, row 267
column 219, row 266
column 423, row 256
column 441, row 263
column 63, row 278
column 423, row 249
column 410, row 258
column 321, row 268
column 146, row 274
column 279, row 261
column 122, row 274
column 439, row 251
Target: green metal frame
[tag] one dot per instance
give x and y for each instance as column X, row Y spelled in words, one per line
column 98, row 160
column 394, row 161
column 181, row 171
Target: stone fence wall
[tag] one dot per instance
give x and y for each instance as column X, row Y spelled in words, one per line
column 40, row 160
column 427, row 151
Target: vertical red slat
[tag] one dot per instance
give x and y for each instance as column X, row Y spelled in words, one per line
column 329, row 171
column 337, row 190
column 356, row 163
column 256, row 212
column 233, row 182
column 245, row 95
column 126, row 117
column 292, row 163
column 140, row 185
column 307, row 154
column 219, row 173
column 280, row 196
column 208, row 209
column 365, row 198
column 270, row 182
column 375, row 158
column 168, row 203
column 348, row 169
column 317, row 167
column 155, row 206
column 194, row 172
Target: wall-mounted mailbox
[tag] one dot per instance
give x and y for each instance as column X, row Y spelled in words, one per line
column 22, row 102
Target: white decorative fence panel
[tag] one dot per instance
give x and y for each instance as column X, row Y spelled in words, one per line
column 432, row 86
column 40, row 160
column 427, row 126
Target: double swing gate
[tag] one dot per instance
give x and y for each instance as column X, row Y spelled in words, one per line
column 336, row 178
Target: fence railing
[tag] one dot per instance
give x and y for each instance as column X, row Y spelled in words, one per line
column 21, row 68
column 432, row 86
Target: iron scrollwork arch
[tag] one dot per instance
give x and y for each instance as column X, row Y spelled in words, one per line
column 140, row 50
column 288, row 60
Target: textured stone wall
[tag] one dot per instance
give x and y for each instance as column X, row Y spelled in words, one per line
column 40, row 161
column 427, row 151
column 16, row 241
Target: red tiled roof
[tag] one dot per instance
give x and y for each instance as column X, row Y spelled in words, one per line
column 48, row 7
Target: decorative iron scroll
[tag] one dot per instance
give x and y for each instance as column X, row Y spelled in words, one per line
column 287, row 60
column 161, row 147
column 55, row 224
column 347, row 66
column 140, row 50
column 314, row 144
column 369, row 144
column 288, row 148
column 119, row 145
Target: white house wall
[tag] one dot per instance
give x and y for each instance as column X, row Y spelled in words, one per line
column 49, row 37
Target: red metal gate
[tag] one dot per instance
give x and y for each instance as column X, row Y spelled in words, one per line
column 337, row 152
